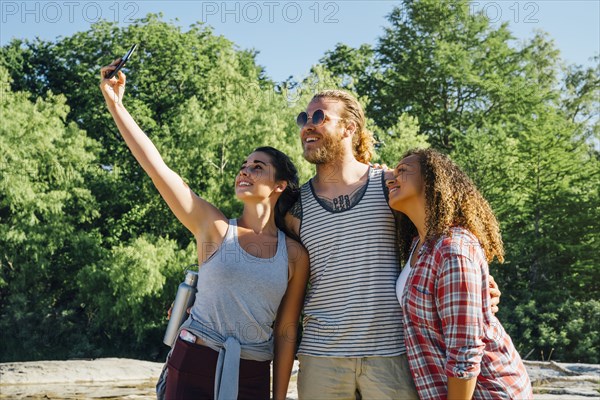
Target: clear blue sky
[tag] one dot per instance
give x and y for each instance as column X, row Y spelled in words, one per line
column 292, row 35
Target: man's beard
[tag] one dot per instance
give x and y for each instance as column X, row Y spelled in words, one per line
column 331, row 149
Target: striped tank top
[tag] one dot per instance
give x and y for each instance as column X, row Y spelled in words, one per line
column 351, row 308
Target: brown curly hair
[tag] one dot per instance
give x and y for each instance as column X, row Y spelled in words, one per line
column 363, row 140
column 451, row 199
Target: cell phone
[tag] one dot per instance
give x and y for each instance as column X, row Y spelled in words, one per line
column 122, row 62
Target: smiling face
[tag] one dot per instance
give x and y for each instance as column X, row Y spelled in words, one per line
column 323, row 143
column 256, row 178
column 406, row 190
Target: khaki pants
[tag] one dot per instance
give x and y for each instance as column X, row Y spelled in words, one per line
column 351, row 378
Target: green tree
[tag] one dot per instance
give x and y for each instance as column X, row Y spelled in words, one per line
column 526, row 130
column 396, row 140
column 47, row 216
column 204, row 103
column 438, row 62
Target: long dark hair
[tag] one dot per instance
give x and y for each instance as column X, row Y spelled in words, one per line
column 285, row 170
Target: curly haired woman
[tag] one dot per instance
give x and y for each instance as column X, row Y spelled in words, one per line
column 457, row 349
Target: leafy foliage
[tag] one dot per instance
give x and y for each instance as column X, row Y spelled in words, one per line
column 76, row 205
column 526, row 130
column 90, row 256
column 47, row 227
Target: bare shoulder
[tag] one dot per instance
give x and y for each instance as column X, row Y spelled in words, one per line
column 296, row 252
column 298, row 261
column 292, row 221
column 220, row 226
column 213, row 232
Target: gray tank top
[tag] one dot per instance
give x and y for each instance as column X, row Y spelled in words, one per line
column 238, row 293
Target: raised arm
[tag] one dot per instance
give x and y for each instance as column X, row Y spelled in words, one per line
column 198, row 215
column 286, row 325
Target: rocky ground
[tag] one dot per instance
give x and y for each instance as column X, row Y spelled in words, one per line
column 116, row 378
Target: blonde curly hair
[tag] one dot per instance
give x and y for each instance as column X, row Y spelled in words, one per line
column 451, row 199
column 363, row 141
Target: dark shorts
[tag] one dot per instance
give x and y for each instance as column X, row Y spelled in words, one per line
column 192, row 374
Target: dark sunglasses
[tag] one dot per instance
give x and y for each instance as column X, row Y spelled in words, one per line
column 318, row 118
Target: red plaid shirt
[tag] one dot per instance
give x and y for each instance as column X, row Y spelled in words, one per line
column 449, row 328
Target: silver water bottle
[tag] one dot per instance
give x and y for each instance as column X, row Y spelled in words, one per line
column 186, row 295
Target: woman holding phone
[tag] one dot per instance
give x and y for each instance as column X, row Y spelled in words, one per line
column 251, row 279
column 456, row 347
